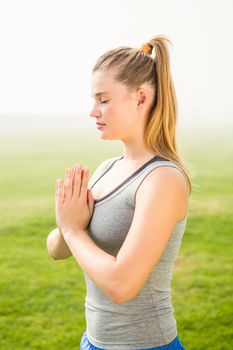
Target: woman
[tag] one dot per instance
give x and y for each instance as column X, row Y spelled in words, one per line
column 125, row 226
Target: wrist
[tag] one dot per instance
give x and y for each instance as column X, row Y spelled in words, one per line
column 71, row 233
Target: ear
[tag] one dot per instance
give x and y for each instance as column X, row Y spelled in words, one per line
column 141, row 96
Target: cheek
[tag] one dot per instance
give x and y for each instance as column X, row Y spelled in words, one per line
column 107, row 109
column 126, row 115
column 120, row 114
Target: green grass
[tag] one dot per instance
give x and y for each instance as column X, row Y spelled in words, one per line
column 42, row 300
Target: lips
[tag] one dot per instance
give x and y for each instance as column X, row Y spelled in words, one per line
column 100, row 123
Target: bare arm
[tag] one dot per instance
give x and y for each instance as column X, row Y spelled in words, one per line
column 56, row 245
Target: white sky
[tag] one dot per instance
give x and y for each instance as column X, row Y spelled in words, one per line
column 48, row 48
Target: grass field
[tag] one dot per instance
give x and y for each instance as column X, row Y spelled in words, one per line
column 42, row 300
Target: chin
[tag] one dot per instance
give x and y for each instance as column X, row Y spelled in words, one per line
column 108, row 137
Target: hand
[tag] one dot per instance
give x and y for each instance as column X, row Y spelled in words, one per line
column 74, row 201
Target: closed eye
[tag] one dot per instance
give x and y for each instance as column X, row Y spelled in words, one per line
column 104, row 101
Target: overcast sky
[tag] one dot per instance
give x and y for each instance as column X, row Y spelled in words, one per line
column 48, row 48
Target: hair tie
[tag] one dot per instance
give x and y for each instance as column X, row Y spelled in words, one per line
column 146, row 48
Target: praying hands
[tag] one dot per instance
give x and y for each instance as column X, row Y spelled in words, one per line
column 74, row 201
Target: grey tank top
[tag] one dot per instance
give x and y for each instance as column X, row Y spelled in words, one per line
column 147, row 320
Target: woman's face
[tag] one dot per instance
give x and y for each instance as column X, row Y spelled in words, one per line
column 114, row 106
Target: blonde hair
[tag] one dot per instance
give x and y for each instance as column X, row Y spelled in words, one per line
column 136, row 66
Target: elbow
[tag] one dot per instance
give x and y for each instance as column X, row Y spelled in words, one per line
column 51, row 254
column 121, row 293
column 54, row 257
column 57, row 247
column 122, row 287
column 117, row 298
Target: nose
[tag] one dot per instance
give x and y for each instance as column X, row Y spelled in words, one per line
column 94, row 112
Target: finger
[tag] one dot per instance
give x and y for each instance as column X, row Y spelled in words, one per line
column 58, row 187
column 83, row 190
column 69, row 183
column 77, row 180
column 65, row 183
column 59, row 190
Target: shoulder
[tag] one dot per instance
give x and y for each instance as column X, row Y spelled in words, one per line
column 164, row 186
column 165, row 177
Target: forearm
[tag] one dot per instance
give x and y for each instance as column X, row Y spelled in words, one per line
column 97, row 264
column 57, row 246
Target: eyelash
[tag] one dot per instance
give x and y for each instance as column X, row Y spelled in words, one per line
column 104, row 101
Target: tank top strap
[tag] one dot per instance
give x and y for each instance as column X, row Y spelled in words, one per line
column 135, row 183
column 102, row 169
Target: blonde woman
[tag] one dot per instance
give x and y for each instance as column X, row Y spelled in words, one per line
column 125, row 226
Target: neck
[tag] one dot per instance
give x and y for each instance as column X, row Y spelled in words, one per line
column 136, row 152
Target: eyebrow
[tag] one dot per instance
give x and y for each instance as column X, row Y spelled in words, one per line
column 101, row 93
